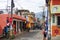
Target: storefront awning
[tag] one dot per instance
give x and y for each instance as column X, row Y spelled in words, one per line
column 18, row 17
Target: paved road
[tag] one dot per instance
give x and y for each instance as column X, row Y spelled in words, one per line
column 56, row 38
column 32, row 35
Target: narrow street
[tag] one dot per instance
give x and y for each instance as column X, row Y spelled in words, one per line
column 29, row 19
column 32, row 35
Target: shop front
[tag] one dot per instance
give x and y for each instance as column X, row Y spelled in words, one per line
column 17, row 23
column 55, row 18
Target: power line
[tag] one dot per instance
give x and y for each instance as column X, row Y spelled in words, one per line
column 3, row 1
column 14, row 1
column 19, row 4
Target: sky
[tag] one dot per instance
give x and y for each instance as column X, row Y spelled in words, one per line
column 31, row 5
column 39, row 14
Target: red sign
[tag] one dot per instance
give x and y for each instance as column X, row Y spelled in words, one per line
column 56, row 31
column 11, row 19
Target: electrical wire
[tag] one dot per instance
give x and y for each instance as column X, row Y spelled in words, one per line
column 18, row 4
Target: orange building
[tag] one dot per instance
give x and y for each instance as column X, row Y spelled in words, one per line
column 17, row 20
column 31, row 20
column 55, row 17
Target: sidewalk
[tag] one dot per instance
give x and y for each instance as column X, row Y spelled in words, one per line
column 32, row 35
column 17, row 35
column 56, row 38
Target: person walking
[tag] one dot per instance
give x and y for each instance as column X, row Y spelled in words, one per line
column 45, row 31
column 6, row 31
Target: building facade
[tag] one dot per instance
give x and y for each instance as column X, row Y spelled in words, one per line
column 55, row 17
column 17, row 22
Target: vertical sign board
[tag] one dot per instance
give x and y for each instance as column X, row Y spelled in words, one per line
column 10, row 20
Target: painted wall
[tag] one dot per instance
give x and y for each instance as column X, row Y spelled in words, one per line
column 55, row 9
column 55, row 29
column 30, row 19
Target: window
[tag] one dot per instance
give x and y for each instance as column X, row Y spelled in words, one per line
column 58, row 20
column 53, row 19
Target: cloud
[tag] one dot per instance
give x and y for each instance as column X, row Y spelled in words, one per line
column 3, row 4
column 32, row 5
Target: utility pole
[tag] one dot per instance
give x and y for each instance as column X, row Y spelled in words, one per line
column 43, row 14
column 11, row 18
column 12, row 5
column 49, row 20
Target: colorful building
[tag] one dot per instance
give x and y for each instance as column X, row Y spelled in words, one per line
column 18, row 22
column 55, row 17
column 28, row 15
column 20, row 18
column 23, row 13
column 31, row 20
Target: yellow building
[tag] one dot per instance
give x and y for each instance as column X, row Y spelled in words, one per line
column 30, row 20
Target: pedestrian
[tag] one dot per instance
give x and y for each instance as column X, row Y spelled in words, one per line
column 44, row 31
column 45, row 35
column 24, row 26
column 14, row 29
column 6, row 31
column 28, row 26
